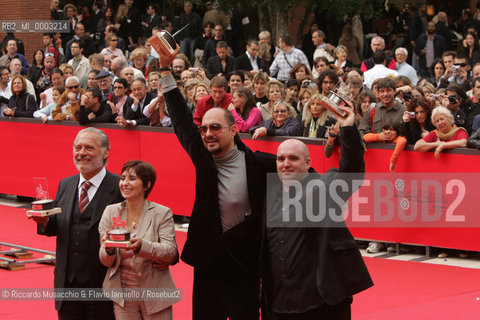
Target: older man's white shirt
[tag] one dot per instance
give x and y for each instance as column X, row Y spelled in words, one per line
column 377, row 72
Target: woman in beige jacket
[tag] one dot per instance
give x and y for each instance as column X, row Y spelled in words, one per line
column 144, row 263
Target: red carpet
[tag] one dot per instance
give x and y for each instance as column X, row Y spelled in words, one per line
column 403, row 290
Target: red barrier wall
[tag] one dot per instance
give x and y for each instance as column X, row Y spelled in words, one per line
column 31, row 149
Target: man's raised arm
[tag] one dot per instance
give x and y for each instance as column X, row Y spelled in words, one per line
column 352, row 150
column 182, row 120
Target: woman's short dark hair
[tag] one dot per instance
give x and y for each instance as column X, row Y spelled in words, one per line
column 145, row 171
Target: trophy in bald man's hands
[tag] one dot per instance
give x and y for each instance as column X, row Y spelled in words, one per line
column 164, row 41
column 341, row 95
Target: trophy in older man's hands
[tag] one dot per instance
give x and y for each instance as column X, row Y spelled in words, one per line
column 341, row 95
column 42, row 206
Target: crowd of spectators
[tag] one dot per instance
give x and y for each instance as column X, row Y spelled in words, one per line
column 105, row 70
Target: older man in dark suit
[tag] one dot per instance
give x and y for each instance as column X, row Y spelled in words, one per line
column 249, row 60
column 83, row 198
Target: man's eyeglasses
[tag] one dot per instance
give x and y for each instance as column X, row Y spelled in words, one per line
column 280, row 111
column 73, row 87
column 118, row 88
column 214, row 128
column 49, row 54
column 463, row 64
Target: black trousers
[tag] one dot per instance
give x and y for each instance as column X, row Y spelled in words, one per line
column 341, row 311
column 216, row 298
column 85, row 310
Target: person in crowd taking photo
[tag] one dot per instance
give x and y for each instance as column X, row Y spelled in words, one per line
column 417, row 121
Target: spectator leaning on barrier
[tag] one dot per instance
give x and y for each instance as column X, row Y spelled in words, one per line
column 45, row 113
column 283, row 122
column 21, row 103
column 93, row 109
column 391, row 133
column 68, row 104
column 446, row 136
